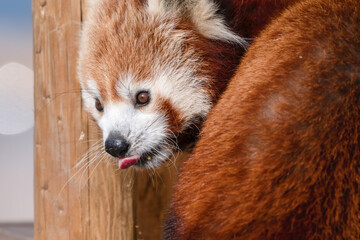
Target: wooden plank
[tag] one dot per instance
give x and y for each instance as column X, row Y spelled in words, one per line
column 152, row 193
column 111, row 202
column 95, row 200
column 57, row 104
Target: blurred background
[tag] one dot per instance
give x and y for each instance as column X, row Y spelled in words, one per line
column 16, row 115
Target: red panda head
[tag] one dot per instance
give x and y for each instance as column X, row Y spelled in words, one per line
column 144, row 74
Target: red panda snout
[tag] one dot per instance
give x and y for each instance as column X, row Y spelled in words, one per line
column 116, row 145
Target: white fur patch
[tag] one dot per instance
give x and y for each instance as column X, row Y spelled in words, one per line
column 203, row 15
column 212, row 25
column 90, row 93
column 156, row 6
column 92, row 3
column 143, row 130
column 182, row 89
column 93, row 88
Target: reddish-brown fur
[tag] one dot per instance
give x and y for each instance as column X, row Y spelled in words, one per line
column 247, row 19
column 172, row 115
column 279, row 156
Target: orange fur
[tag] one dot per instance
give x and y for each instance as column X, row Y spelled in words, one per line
column 279, row 156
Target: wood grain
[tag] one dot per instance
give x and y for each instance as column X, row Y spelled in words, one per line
column 56, row 133
column 98, row 202
column 152, row 193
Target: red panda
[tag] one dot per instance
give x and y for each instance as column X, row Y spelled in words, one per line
column 279, row 155
column 151, row 70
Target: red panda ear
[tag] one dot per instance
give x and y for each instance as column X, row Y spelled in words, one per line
column 91, row 3
column 203, row 14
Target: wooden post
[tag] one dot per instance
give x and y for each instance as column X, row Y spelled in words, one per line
column 99, row 202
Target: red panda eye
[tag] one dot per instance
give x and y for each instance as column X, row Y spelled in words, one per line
column 142, row 98
column 99, row 105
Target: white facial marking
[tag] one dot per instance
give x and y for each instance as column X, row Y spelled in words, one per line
column 92, row 3
column 89, row 94
column 156, row 6
column 92, row 87
column 144, row 131
column 182, row 89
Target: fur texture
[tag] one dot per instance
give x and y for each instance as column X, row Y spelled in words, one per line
column 279, row 156
column 181, row 52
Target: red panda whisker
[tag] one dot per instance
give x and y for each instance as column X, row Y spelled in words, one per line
column 100, row 160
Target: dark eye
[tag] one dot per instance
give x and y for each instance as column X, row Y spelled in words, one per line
column 99, row 105
column 142, row 98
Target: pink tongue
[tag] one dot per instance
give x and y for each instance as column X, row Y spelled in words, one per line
column 128, row 162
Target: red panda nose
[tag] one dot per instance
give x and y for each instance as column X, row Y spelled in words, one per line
column 116, row 145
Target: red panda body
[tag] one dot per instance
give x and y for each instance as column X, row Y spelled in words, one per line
column 279, row 155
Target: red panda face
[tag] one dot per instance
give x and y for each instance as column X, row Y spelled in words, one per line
column 141, row 76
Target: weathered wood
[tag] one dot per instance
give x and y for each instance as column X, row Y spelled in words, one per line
column 56, row 24
column 152, row 195
column 98, row 202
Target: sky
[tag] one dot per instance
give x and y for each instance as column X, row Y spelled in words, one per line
column 16, row 32
column 16, row 13
column 16, row 151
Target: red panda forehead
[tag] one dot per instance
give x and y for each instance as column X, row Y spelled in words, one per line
column 130, row 40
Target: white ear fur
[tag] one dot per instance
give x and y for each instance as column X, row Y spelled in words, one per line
column 92, row 3
column 212, row 25
column 203, row 15
column 156, row 6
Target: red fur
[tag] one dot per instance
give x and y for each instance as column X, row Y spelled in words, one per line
column 246, row 18
column 172, row 115
column 279, row 156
